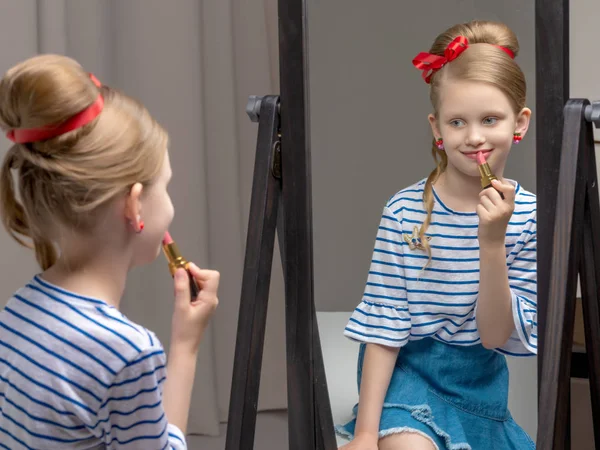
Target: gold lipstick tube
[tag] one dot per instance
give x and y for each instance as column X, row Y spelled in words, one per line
column 487, row 177
column 176, row 260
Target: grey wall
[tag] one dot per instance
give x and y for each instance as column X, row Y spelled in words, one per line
column 585, row 67
column 585, row 64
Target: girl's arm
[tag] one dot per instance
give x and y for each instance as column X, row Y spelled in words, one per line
column 177, row 394
column 494, row 305
column 382, row 320
column 378, row 366
column 188, row 325
column 507, row 303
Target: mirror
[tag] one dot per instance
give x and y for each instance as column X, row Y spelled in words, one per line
column 370, row 139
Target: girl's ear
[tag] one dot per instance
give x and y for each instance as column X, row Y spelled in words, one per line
column 133, row 205
column 434, row 126
column 523, row 121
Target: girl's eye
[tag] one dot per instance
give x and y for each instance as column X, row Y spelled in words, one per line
column 456, row 123
column 490, row 120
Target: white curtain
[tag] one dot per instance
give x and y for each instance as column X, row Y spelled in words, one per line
column 193, row 63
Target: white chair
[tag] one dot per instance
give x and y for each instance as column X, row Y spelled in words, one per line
column 339, row 355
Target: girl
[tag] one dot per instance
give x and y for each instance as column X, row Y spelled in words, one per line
column 452, row 283
column 93, row 168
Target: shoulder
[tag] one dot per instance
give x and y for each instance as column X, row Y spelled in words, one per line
column 523, row 194
column 525, row 203
column 138, row 335
column 150, row 360
column 139, row 379
column 85, row 325
column 83, row 339
column 409, row 197
column 134, row 340
column 142, row 353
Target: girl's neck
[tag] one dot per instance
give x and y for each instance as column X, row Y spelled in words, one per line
column 458, row 191
column 102, row 277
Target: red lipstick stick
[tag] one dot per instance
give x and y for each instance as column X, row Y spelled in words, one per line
column 486, row 173
column 176, row 261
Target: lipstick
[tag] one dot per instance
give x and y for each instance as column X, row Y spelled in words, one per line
column 176, row 260
column 486, row 173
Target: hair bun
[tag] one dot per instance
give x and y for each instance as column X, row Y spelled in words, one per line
column 495, row 33
column 44, row 90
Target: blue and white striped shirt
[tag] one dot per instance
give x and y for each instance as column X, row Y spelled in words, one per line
column 77, row 374
column 402, row 302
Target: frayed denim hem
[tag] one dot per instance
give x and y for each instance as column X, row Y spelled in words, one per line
column 384, row 433
column 423, row 414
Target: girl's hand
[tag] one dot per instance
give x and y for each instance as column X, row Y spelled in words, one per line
column 494, row 212
column 190, row 319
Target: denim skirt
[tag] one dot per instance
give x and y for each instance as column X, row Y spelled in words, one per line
column 455, row 395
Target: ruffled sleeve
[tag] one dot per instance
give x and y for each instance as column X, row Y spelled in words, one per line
column 383, row 316
column 522, row 277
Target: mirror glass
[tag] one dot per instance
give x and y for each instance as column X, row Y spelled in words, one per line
column 371, row 138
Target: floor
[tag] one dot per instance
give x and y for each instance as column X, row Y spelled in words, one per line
column 271, row 434
column 582, row 426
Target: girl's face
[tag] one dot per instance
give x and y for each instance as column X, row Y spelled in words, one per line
column 472, row 117
column 157, row 212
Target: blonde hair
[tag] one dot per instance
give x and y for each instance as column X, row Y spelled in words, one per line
column 66, row 181
column 482, row 63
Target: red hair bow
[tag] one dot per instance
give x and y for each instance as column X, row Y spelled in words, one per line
column 430, row 63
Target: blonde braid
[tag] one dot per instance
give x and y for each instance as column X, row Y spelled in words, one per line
column 441, row 161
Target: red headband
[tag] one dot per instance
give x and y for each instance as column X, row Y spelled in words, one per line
column 430, row 63
column 23, row 136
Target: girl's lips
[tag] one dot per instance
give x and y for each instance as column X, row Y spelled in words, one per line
column 473, row 155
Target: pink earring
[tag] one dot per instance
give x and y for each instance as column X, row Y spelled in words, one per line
column 138, row 229
column 517, row 138
column 439, row 143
